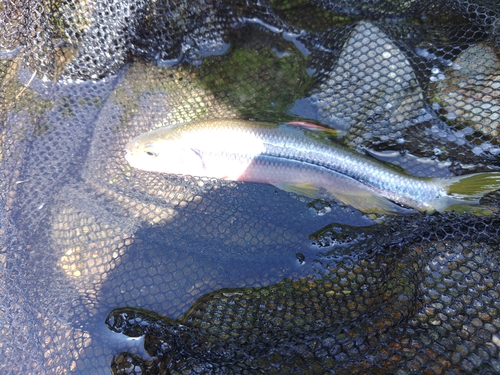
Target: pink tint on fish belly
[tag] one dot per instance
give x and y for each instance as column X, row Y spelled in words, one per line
column 276, row 173
column 227, row 169
column 239, row 150
column 235, row 169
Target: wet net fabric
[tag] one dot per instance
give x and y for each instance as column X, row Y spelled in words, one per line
column 107, row 269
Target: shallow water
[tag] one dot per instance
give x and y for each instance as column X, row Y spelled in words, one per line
column 86, row 234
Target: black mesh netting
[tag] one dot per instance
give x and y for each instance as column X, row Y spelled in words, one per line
column 107, row 269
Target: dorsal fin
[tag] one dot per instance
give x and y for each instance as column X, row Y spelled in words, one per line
column 315, row 128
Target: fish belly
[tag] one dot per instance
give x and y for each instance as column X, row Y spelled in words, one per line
column 316, row 181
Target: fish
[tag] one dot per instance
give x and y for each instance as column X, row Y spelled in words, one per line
column 302, row 158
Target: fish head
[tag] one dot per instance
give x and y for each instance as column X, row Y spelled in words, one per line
column 167, row 156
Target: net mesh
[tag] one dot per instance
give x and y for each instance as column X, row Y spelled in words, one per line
column 213, row 276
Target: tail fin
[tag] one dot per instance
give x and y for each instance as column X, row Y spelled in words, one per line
column 465, row 192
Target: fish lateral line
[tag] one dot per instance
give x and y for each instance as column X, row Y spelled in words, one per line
column 301, row 161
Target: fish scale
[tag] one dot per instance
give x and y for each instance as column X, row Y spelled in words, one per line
column 293, row 144
column 297, row 157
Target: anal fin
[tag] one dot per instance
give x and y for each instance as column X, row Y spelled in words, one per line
column 353, row 193
column 368, row 202
column 305, row 189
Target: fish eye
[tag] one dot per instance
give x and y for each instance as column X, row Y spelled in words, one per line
column 150, row 151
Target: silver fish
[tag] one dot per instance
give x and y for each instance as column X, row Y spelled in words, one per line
column 298, row 157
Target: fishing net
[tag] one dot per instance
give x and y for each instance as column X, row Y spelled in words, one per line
column 107, row 269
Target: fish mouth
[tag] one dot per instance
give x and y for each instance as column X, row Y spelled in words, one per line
column 128, row 155
column 129, row 150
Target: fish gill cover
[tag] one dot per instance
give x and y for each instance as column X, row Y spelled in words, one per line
column 208, row 276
